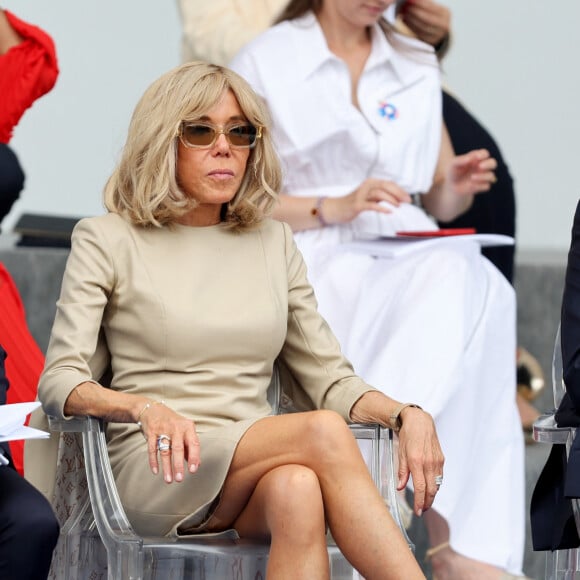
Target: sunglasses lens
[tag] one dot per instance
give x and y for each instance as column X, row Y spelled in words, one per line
column 242, row 136
column 198, row 135
column 202, row 135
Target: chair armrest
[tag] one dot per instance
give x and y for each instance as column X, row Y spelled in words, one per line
column 110, row 517
column 381, row 464
column 545, row 430
column 72, row 425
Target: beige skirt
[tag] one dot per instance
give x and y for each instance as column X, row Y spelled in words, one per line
column 156, row 508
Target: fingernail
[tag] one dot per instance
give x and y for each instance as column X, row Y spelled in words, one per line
column 178, row 476
column 419, row 512
column 192, row 468
column 155, row 470
column 168, row 478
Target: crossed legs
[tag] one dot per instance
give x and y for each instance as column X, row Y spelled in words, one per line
column 291, row 476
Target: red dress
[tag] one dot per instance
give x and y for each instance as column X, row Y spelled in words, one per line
column 27, row 71
column 25, row 360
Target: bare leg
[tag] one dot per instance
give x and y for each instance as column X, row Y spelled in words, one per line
column 446, row 562
column 287, row 506
column 356, row 513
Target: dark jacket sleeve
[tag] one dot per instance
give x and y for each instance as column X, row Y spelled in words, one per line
column 3, row 388
column 552, row 516
column 570, row 328
column 3, row 379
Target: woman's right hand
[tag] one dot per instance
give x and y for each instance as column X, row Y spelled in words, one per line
column 367, row 197
column 428, row 20
column 158, row 419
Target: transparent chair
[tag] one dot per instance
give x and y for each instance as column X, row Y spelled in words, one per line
column 560, row 564
column 97, row 539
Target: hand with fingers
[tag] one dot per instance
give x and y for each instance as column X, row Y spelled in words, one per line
column 471, row 173
column 369, row 196
column 420, row 457
column 171, row 440
column 428, row 20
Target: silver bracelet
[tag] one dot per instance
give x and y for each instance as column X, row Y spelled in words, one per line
column 395, row 416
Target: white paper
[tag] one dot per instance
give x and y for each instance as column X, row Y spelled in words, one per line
column 12, row 418
column 391, row 247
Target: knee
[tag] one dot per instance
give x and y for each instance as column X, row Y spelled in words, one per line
column 294, row 496
column 43, row 529
column 36, row 524
column 327, row 436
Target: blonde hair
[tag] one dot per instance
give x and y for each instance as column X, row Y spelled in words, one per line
column 143, row 187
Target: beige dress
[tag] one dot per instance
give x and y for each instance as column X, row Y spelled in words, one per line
column 195, row 316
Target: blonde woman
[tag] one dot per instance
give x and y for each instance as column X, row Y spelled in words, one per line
column 196, row 293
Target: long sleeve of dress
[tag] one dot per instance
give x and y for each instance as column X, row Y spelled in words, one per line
column 320, row 375
column 27, row 71
column 76, row 351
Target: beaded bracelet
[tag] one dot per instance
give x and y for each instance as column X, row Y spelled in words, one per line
column 316, row 211
column 395, row 416
column 147, row 406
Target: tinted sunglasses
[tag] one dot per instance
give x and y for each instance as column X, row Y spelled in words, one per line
column 204, row 135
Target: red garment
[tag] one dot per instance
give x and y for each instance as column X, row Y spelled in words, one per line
column 27, row 71
column 25, row 360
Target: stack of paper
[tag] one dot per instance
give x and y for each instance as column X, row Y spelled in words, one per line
column 12, row 419
column 393, row 246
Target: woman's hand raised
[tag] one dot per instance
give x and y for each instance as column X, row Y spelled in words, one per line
column 471, row 173
column 428, row 20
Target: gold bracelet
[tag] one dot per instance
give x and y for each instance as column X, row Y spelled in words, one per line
column 147, row 406
column 395, row 416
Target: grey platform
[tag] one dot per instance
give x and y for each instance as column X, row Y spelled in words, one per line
column 539, row 282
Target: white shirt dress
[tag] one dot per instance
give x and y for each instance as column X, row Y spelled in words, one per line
column 435, row 327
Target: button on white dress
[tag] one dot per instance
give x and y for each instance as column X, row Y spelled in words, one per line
column 436, row 327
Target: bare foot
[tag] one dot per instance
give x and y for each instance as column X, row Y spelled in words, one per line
column 447, row 564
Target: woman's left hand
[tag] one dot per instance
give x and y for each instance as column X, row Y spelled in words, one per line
column 471, row 173
column 428, row 20
column 420, row 456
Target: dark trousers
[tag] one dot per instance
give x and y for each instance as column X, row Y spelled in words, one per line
column 28, row 529
column 11, row 179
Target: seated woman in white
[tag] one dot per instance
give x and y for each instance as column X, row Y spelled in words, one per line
column 358, row 125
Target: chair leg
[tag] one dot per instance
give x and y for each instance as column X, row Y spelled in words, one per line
column 125, row 562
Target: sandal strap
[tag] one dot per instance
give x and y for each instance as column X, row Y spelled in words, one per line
column 432, row 551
